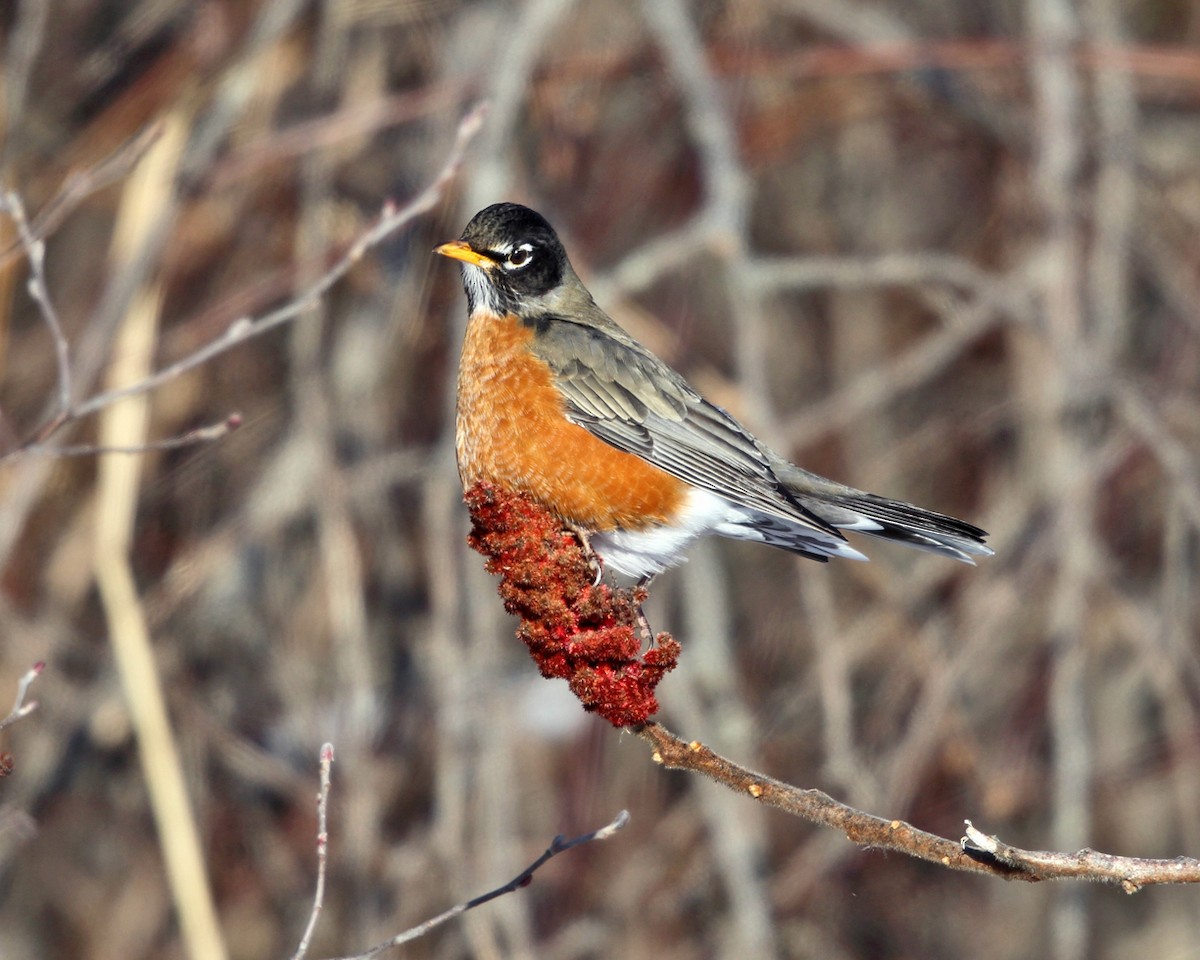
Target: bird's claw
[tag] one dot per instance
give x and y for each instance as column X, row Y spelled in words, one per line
column 640, row 596
column 594, row 562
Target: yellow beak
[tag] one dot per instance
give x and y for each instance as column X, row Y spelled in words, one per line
column 458, row 250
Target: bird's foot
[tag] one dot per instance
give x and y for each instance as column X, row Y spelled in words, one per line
column 594, row 562
column 640, row 596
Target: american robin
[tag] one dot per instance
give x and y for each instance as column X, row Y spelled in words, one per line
column 557, row 401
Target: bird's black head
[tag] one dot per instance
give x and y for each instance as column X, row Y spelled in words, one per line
column 511, row 258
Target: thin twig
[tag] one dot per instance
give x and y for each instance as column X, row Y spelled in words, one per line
column 974, row 853
column 35, row 247
column 81, row 184
column 558, row 845
column 20, row 707
column 322, row 852
column 209, row 434
column 390, row 220
column 246, row 328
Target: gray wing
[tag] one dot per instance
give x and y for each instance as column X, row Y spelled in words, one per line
column 621, row 393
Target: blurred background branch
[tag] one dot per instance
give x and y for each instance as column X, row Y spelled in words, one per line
column 22, row 707
column 942, row 251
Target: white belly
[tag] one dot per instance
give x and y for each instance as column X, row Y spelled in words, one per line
column 644, row 553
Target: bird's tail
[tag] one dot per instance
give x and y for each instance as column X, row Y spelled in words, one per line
column 849, row 509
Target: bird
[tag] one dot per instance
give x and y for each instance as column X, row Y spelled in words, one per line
column 555, row 400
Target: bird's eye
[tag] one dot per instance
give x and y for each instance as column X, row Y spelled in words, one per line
column 520, row 256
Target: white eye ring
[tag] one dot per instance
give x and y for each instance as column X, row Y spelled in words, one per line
column 519, row 257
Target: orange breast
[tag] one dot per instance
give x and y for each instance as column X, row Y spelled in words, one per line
column 511, row 431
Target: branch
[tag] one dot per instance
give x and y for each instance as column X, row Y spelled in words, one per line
column 81, row 184
column 207, row 434
column 578, row 628
column 322, row 852
column 20, row 707
column 390, row 220
column 558, row 845
column 35, row 249
column 974, row 853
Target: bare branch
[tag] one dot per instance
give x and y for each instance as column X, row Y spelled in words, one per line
column 20, row 707
column 209, row 434
column 81, row 184
column 390, row 220
column 322, row 852
column 975, row 853
column 11, row 204
column 1132, row 873
column 558, row 845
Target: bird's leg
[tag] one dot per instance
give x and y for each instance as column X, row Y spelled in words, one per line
column 640, row 595
column 593, row 558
